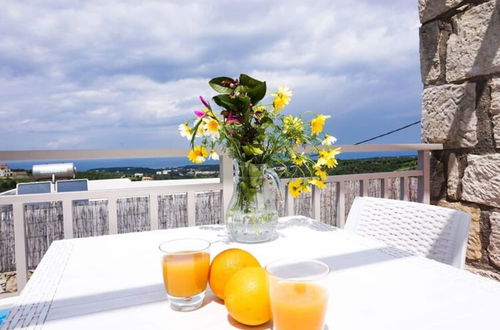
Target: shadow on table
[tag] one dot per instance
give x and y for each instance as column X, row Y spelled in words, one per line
column 363, row 258
column 284, row 223
column 238, row 325
column 302, row 221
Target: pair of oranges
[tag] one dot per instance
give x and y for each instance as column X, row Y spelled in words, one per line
column 237, row 278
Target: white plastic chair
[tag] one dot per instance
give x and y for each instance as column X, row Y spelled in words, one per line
column 434, row 232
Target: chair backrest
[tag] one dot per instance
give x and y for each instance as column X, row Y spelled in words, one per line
column 435, row 232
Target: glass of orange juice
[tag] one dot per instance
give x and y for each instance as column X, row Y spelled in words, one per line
column 185, row 264
column 298, row 294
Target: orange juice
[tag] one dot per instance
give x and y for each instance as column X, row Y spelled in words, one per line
column 185, row 274
column 298, row 306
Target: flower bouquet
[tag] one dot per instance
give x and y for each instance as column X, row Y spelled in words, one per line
column 259, row 137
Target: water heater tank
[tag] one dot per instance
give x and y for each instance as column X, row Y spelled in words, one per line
column 54, row 171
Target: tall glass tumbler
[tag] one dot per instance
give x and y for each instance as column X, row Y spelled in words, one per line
column 185, row 264
column 298, row 294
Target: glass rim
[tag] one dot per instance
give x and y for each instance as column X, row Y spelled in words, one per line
column 287, row 261
column 166, row 251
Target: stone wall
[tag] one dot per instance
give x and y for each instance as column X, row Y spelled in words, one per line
column 460, row 66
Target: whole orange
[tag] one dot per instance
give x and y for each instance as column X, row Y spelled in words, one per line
column 224, row 265
column 247, row 296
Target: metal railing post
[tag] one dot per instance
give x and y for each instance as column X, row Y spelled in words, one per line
column 404, row 185
column 364, row 187
column 112, row 216
column 153, row 210
column 424, row 182
column 290, row 207
column 20, row 245
column 67, row 205
column 316, row 201
column 340, row 221
column 385, row 187
column 191, row 209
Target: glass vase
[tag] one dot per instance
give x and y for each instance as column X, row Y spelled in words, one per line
column 252, row 214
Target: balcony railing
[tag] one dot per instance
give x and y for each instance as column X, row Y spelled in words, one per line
column 330, row 205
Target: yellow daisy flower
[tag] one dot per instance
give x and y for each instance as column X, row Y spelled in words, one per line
column 318, row 183
column 293, row 126
column 198, row 154
column 318, row 123
column 259, row 111
column 212, row 128
column 305, row 187
column 295, row 187
column 281, row 98
column 299, row 159
column 321, row 174
column 327, row 157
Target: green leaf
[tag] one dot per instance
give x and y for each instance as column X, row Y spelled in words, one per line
column 225, row 101
column 243, row 102
column 253, row 170
column 266, row 122
column 257, row 93
column 216, row 84
column 246, row 80
column 241, row 89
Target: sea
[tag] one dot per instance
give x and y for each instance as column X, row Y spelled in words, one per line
column 171, row 162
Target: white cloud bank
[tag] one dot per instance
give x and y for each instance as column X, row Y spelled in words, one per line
column 88, row 74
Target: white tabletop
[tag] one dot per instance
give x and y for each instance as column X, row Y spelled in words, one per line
column 115, row 282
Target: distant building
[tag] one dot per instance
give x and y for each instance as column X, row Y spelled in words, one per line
column 147, row 178
column 20, row 174
column 138, row 175
column 206, row 173
column 5, row 171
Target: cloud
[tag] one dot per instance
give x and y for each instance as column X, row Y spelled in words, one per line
column 125, row 73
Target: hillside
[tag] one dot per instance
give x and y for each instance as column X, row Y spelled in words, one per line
column 347, row 166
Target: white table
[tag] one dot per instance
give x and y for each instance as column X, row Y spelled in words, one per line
column 115, row 282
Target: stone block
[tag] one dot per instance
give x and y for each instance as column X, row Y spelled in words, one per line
column 448, row 115
column 453, row 184
column 494, row 246
column 430, row 61
column 495, row 109
column 481, row 180
column 473, row 49
column 438, row 180
column 474, row 244
column 429, row 9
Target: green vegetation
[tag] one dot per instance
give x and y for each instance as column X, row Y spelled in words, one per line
column 376, row 164
column 347, row 166
column 10, row 183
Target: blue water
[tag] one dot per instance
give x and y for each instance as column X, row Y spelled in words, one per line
column 170, row 162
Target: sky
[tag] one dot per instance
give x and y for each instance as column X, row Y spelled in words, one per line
column 124, row 74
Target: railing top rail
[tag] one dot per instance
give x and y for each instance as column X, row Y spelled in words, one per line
column 113, row 193
column 23, row 155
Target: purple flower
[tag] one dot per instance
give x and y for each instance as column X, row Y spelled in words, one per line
column 205, row 103
column 230, row 119
column 199, row 113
